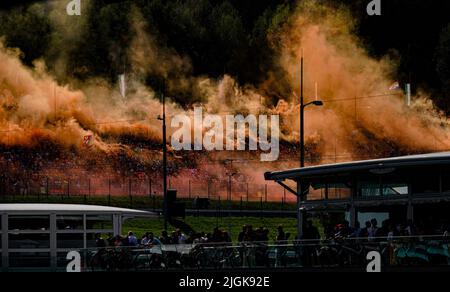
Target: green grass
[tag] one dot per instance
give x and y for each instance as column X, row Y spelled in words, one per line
column 206, row 224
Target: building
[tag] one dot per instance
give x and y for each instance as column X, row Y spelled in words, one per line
column 400, row 189
column 39, row 236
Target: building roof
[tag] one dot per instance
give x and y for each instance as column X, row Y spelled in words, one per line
column 64, row 208
column 377, row 165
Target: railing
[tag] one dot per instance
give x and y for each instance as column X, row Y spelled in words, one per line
column 87, row 188
column 335, row 254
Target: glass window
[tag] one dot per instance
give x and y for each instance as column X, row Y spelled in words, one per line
column 29, row 241
column 339, row 191
column 29, row 223
column 70, row 222
column 317, row 193
column 395, row 189
column 70, row 240
column 99, row 222
column 29, row 260
column 370, row 189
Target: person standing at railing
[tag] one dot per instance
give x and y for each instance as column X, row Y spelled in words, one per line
column 373, row 229
column 132, row 239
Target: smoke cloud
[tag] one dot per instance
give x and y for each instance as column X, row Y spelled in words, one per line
column 34, row 107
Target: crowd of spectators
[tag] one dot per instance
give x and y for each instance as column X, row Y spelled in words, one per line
column 176, row 237
column 388, row 230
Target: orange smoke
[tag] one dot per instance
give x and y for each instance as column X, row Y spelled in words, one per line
column 33, row 107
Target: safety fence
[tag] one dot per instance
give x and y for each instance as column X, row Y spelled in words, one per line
column 334, row 255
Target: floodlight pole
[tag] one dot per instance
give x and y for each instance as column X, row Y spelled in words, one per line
column 302, row 155
column 165, row 209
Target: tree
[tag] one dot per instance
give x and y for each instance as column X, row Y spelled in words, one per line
column 28, row 29
column 443, row 64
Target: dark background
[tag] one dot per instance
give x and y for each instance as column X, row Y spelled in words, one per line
column 230, row 36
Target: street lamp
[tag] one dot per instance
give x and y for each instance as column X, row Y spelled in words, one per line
column 302, row 127
column 300, row 190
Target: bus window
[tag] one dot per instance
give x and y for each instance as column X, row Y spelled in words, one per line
column 28, row 222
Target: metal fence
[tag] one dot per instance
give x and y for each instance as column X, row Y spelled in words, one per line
column 223, row 190
column 348, row 254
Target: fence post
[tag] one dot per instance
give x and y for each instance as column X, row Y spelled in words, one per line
column 248, row 193
column 109, row 191
column 208, row 186
column 261, row 207
column 68, row 188
column 190, row 190
column 265, row 192
column 46, row 188
column 129, row 193
column 150, row 187
column 62, row 189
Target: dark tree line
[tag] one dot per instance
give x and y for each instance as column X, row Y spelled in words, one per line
column 230, row 36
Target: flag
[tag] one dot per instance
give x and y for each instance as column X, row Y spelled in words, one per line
column 87, row 140
column 122, row 85
column 395, row 86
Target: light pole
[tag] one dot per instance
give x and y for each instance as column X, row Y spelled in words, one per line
column 300, row 190
column 164, row 130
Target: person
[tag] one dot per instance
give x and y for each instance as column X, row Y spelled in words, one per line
column 249, row 234
column 365, row 231
column 144, row 239
column 227, row 238
column 132, row 239
column 152, row 240
column 281, row 236
column 393, row 233
column 311, row 232
column 100, row 242
column 164, row 238
column 118, row 241
column 410, row 228
column 356, row 232
column 181, row 237
column 373, row 229
column 174, row 238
